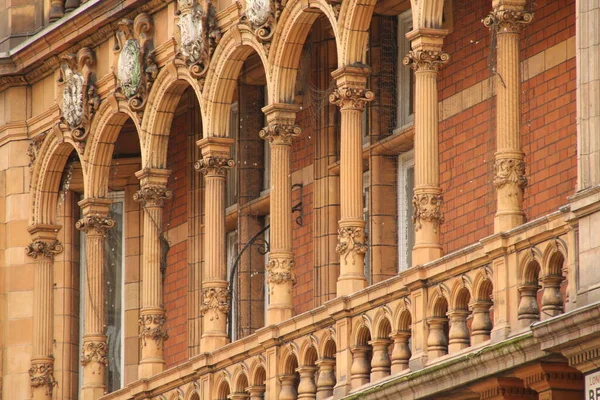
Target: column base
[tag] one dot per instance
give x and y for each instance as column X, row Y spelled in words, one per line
column 506, row 221
column 210, row 343
column 349, row 284
column 417, row 361
column 150, row 367
column 277, row 314
column 426, row 253
column 89, row 392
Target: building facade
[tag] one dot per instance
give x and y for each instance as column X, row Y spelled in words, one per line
column 299, row 199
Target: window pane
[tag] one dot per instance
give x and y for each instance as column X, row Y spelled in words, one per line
column 410, row 231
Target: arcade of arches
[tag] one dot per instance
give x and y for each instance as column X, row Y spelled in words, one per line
column 299, row 199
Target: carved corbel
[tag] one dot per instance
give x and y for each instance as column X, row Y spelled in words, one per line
column 33, row 150
column 79, row 100
column 135, row 68
column 198, row 36
column 262, row 17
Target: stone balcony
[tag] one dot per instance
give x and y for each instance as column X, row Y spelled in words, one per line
column 450, row 320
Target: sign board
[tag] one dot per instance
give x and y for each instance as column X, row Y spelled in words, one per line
column 592, row 386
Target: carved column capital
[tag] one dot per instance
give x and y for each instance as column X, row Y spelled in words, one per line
column 280, row 270
column 426, row 60
column 94, row 352
column 508, row 21
column 152, row 327
column 95, row 224
column 153, row 195
column 427, row 207
column 352, row 240
column 214, row 165
column 215, row 301
column 351, row 98
column 509, row 171
column 41, row 374
column 44, row 249
column 280, row 133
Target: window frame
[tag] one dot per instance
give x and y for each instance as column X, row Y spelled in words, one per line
column 406, row 161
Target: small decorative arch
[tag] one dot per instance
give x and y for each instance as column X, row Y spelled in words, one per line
column 461, row 292
column 439, row 297
column 240, row 382
column 530, row 258
column 222, row 385
column 193, row 392
column 354, row 21
column 362, row 330
column 554, row 257
column 309, row 351
column 177, row 395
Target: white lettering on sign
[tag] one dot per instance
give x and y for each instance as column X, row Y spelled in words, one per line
column 592, row 386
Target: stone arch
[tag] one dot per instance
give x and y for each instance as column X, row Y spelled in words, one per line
column 289, row 38
column 439, row 298
column 258, row 374
column 193, row 392
column 329, row 348
column 427, row 13
column 104, row 132
column 240, row 382
column 47, row 172
column 362, row 329
column 404, row 320
column 234, row 48
column 167, row 90
column 461, row 293
column 222, row 386
column 289, row 363
column 309, row 353
column 177, row 395
column 531, row 258
column 482, row 285
column 383, row 328
column 355, row 20
column 554, row 257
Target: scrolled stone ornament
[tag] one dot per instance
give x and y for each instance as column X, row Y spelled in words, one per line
column 262, row 16
column 153, row 195
column 214, row 165
column 152, row 327
column 508, row 21
column 351, row 98
column 42, row 375
column 280, row 270
column 427, row 207
column 215, row 300
column 95, row 223
column 280, row 133
column 44, row 249
column 94, row 353
column 425, row 60
column 509, row 171
column 352, row 240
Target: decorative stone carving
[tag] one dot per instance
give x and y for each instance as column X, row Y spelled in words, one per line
column 215, row 300
column 152, row 326
column 135, row 68
column 79, row 98
column 42, row 249
column 336, row 5
column 94, row 353
column 33, row 149
column 280, row 270
column 42, row 375
column 153, row 195
column 427, row 207
column 214, row 165
column 198, row 36
column 508, row 21
column 95, row 223
column 509, row 171
column 262, row 17
column 425, row 60
column 352, row 240
column 351, row 98
column 280, row 133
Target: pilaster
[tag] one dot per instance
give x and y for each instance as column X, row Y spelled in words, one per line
column 351, row 95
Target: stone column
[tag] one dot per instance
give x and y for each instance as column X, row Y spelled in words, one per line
column 57, row 10
column 152, row 196
column 458, row 335
column 507, row 19
column 380, row 362
column 401, row 352
column 215, row 288
column 95, row 223
column 426, row 58
column 528, row 311
column 257, row 392
column 482, row 324
column 70, row 5
column 361, row 368
column 307, row 389
column 552, row 299
column 288, row 387
column 351, row 96
column 280, row 269
column 326, row 378
column 42, row 249
column 437, row 342
column 553, row 381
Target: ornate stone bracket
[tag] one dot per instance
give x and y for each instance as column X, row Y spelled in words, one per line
column 352, row 240
column 79, row 100
column 95, row 223
column 508, row 21
column 427, row 207
column 509, row 171
column 94, row 353
column 135, row 68
column 426, row 60
column 43, row 249
column 42, row 375
column 33, row 150
column 152, row 327
column 280, row 270
column 280, row 133
column 351, row 98
column 262, row 16
column 215, row 300
column 199, row 35
column 214, row 165
column 153, row 195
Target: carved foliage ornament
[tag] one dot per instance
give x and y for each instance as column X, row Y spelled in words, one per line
column 153, row 195
column 280, row 270
column 215, row 301
column 509, row 171
column 43, row 249
column 427, row 207
column 352, row 240
column 199, row 35
column 135, row 69
column 280, row 133
column 262, row 17
column 508, row 21
column 152, row 326
column 351, row 98
column 33, row 150
column 42, row 375
column 94, row 353
column 79, row 99
column 214, row 165
column 425, row 60
column 95, row 223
